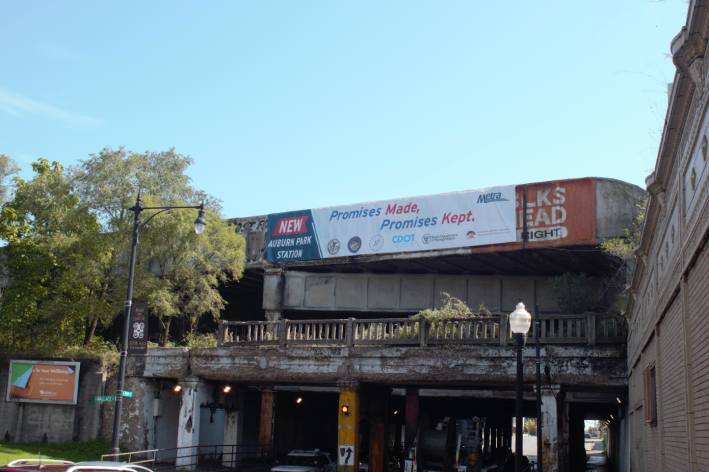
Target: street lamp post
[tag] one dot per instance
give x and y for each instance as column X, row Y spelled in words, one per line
column 537, row 333
column 199, row 225
column 520, row 321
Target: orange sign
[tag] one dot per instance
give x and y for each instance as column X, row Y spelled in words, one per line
column 43, row 381
column 555, row 213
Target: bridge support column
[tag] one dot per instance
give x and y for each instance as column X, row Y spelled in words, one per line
column 348, row 427
column 550, row 425
column 193, row 392
column 412, row 414
column 265, row 432
column 376, row 412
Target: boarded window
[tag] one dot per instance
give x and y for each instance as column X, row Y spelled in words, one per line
column 649, row 377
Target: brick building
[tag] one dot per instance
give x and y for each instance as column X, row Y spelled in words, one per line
column 667, row 416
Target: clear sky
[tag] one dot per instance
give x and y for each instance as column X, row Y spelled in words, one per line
column 291, row 105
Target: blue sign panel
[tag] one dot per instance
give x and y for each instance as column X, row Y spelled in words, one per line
column 292, row 237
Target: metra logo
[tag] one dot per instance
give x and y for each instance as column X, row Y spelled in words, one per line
column 290, row 226
column 492, row 197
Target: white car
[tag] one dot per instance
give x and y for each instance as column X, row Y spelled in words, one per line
column 305, row 461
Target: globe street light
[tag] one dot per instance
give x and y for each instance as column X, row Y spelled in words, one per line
column 520, row 321
column 199, row 225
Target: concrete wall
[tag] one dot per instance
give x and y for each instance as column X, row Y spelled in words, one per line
column 30, row 422
column 480, row 366
column 412, row 293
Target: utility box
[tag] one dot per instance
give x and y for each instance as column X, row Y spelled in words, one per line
column 157, row 407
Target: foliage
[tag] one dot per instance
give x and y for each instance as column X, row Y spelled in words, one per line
column 108, row 353
column 68, row 236
column 621, row 249
column 453, row 308
column 200, row 340
column 69, row 451
column 8, row 168
column 186, row 269
column 51, row 241
column 572, row 293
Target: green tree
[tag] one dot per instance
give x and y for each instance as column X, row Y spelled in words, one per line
column 50, row 240
column 572, row 292
column 177, row 272
column 8, row 168
column 185, row 269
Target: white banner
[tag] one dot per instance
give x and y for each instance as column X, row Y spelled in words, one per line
column 452, row 220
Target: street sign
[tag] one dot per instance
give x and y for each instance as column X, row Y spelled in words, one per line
column 112, row 398
column 346, row 455
column 105, row 399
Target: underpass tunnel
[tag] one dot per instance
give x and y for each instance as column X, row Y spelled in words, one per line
column 578, row 414
column 305, row 420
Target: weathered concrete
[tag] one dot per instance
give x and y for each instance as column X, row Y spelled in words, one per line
column 194, row 394
column 136, row 416
column 550, row 424
column 493, row 366
column 168, row 363
column 311, row 291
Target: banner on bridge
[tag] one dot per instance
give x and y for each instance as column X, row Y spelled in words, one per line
column 446, row 221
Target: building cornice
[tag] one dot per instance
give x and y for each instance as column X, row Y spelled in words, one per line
column 688, row 50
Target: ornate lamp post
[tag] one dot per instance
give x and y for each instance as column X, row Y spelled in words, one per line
column 199, row 225
column 520, row 321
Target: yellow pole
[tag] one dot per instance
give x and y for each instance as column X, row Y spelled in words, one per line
column 348, row 428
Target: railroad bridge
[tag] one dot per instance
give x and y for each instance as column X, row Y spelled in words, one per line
column 302, row 338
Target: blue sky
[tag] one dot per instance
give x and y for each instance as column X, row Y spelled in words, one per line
column 301, row 104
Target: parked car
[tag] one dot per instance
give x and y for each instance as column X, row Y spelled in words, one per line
column 51, row 465
column 392, row 466
column 587, row 436
column 305, row 461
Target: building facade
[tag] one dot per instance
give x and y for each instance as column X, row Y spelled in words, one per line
column 667, row 417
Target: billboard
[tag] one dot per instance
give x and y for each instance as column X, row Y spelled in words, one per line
column 453, row 220
column 43, row 382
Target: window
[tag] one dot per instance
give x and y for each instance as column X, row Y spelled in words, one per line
column 649, row 376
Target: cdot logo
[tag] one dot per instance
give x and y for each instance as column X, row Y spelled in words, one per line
column 407, row 238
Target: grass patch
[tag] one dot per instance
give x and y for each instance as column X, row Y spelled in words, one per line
column 68, row 451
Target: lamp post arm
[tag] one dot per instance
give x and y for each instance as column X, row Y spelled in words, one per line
column 153, row 216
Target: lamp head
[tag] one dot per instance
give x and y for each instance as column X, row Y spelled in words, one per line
column 200, row 223
column 520, row 319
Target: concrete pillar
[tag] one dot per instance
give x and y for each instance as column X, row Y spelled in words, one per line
column 265, row 432
column 348, row 427
column 233, row 434
column 273, row 290
column 549, row 423
column 412, row 414
column 188, row 423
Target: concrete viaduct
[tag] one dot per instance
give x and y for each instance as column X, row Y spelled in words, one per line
column 300, row 339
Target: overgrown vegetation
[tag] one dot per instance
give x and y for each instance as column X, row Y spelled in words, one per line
column 69, row 451
column 621, row 249
column 571, row 290
column 68, row 234
column 453, row 308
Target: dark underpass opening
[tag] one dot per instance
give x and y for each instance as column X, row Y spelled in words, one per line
column 306, row 420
